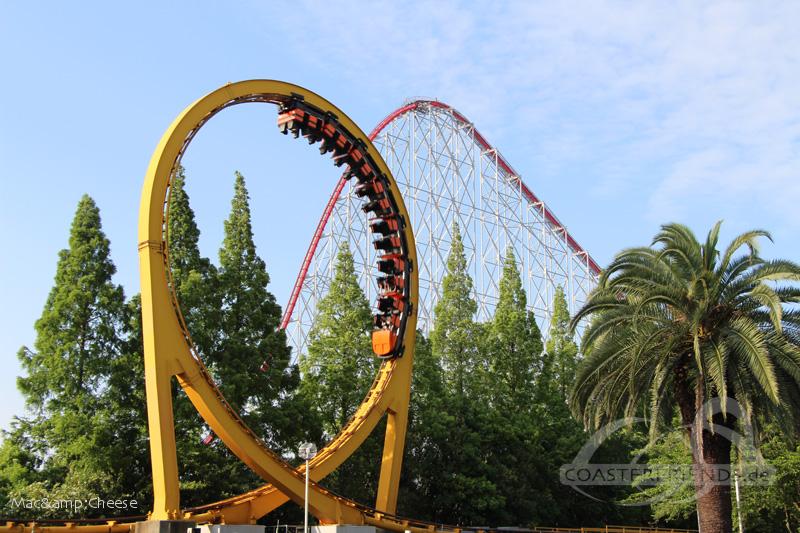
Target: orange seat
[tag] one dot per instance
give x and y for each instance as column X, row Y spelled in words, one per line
column 383, row 342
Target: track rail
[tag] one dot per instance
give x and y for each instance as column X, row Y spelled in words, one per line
column 549, row 216
column 169, row 350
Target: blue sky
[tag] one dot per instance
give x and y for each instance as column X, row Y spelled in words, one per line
column 620, row 115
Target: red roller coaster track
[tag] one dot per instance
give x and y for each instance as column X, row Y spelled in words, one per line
column 483, row 143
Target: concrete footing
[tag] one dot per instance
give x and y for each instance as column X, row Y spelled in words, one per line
column 164, row 526
column 336, row 528
column 231, row 528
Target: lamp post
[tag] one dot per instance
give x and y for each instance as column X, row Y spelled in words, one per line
column 738, row 500
column 307, row 452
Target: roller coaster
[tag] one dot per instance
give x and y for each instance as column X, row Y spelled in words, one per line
column 170, row 353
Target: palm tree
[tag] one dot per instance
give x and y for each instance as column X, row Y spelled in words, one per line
column 680, row 323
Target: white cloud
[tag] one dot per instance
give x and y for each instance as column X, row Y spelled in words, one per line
column 690, row 102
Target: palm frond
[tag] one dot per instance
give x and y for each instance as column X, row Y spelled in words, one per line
column 729, row 319
column 747, row 341
column 710, row 252
column 680, row 244
column 749, row 239
column 715, row 358
column 769, row 299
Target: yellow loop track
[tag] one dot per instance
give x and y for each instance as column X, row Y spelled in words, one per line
column 169, row 353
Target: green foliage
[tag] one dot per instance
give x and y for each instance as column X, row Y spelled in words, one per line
column 775, row 506
column 765, row 507
column 512, row 346
column 79, row 330
column 511, row 352
column 124, row 406
column 682, row 323
column 197, row 290
column 65, row 444
column 673, row 495
column 427, row 435
column 340, row 364
column 559, row 436
column 249, row 323
column 82, row 484
column 466, row 489
column 489, row 423
column 455, row 334
column 561, row 352
column 235, row 337
column 490, row 453
column 194, row 277
column 337, row 373
column 19, row 465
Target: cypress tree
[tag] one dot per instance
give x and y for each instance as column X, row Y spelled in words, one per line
column 194, row 276
column 455, row 334
column 249, row 334
column 561, row 351
column 429, row 426
column 338, row 371
column 468, row 493
column 125, row 407
column 513, row 343
column 78, row 332
column 340, row 364
column 512, row 348
column 182, row 232
column 78, row 339
column 195, row 283
column 561, row 435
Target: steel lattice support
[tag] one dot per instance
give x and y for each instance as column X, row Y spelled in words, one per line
column 448, row 172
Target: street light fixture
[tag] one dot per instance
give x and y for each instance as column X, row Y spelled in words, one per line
column 307, row 452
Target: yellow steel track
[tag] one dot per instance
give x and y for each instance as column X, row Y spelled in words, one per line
column 169, row 352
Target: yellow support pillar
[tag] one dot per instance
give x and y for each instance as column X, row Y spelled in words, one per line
column 392, row 461
column 168, row 351
column 158, row 372
column 395, row 438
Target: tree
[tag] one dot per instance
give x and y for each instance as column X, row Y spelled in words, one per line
column 455, row 334
column 468, row 493
column 124, row 406
column 233, row 322
column 670, row 497
column 513, row 343
column 195, row 281
column 428, row 432
column 511, row 349
column 78, row 339
column 338, row 371
column 249, row 334
column 19, row 465
column 680, row 323
column 194, row 277
column 768, row 505
column 775, row 506
column 340, row 364
column 560, row 436
column 78, row 332
column 561, row 351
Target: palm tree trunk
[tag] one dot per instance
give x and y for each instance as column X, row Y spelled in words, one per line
column 713, row 499
column 712, row 484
